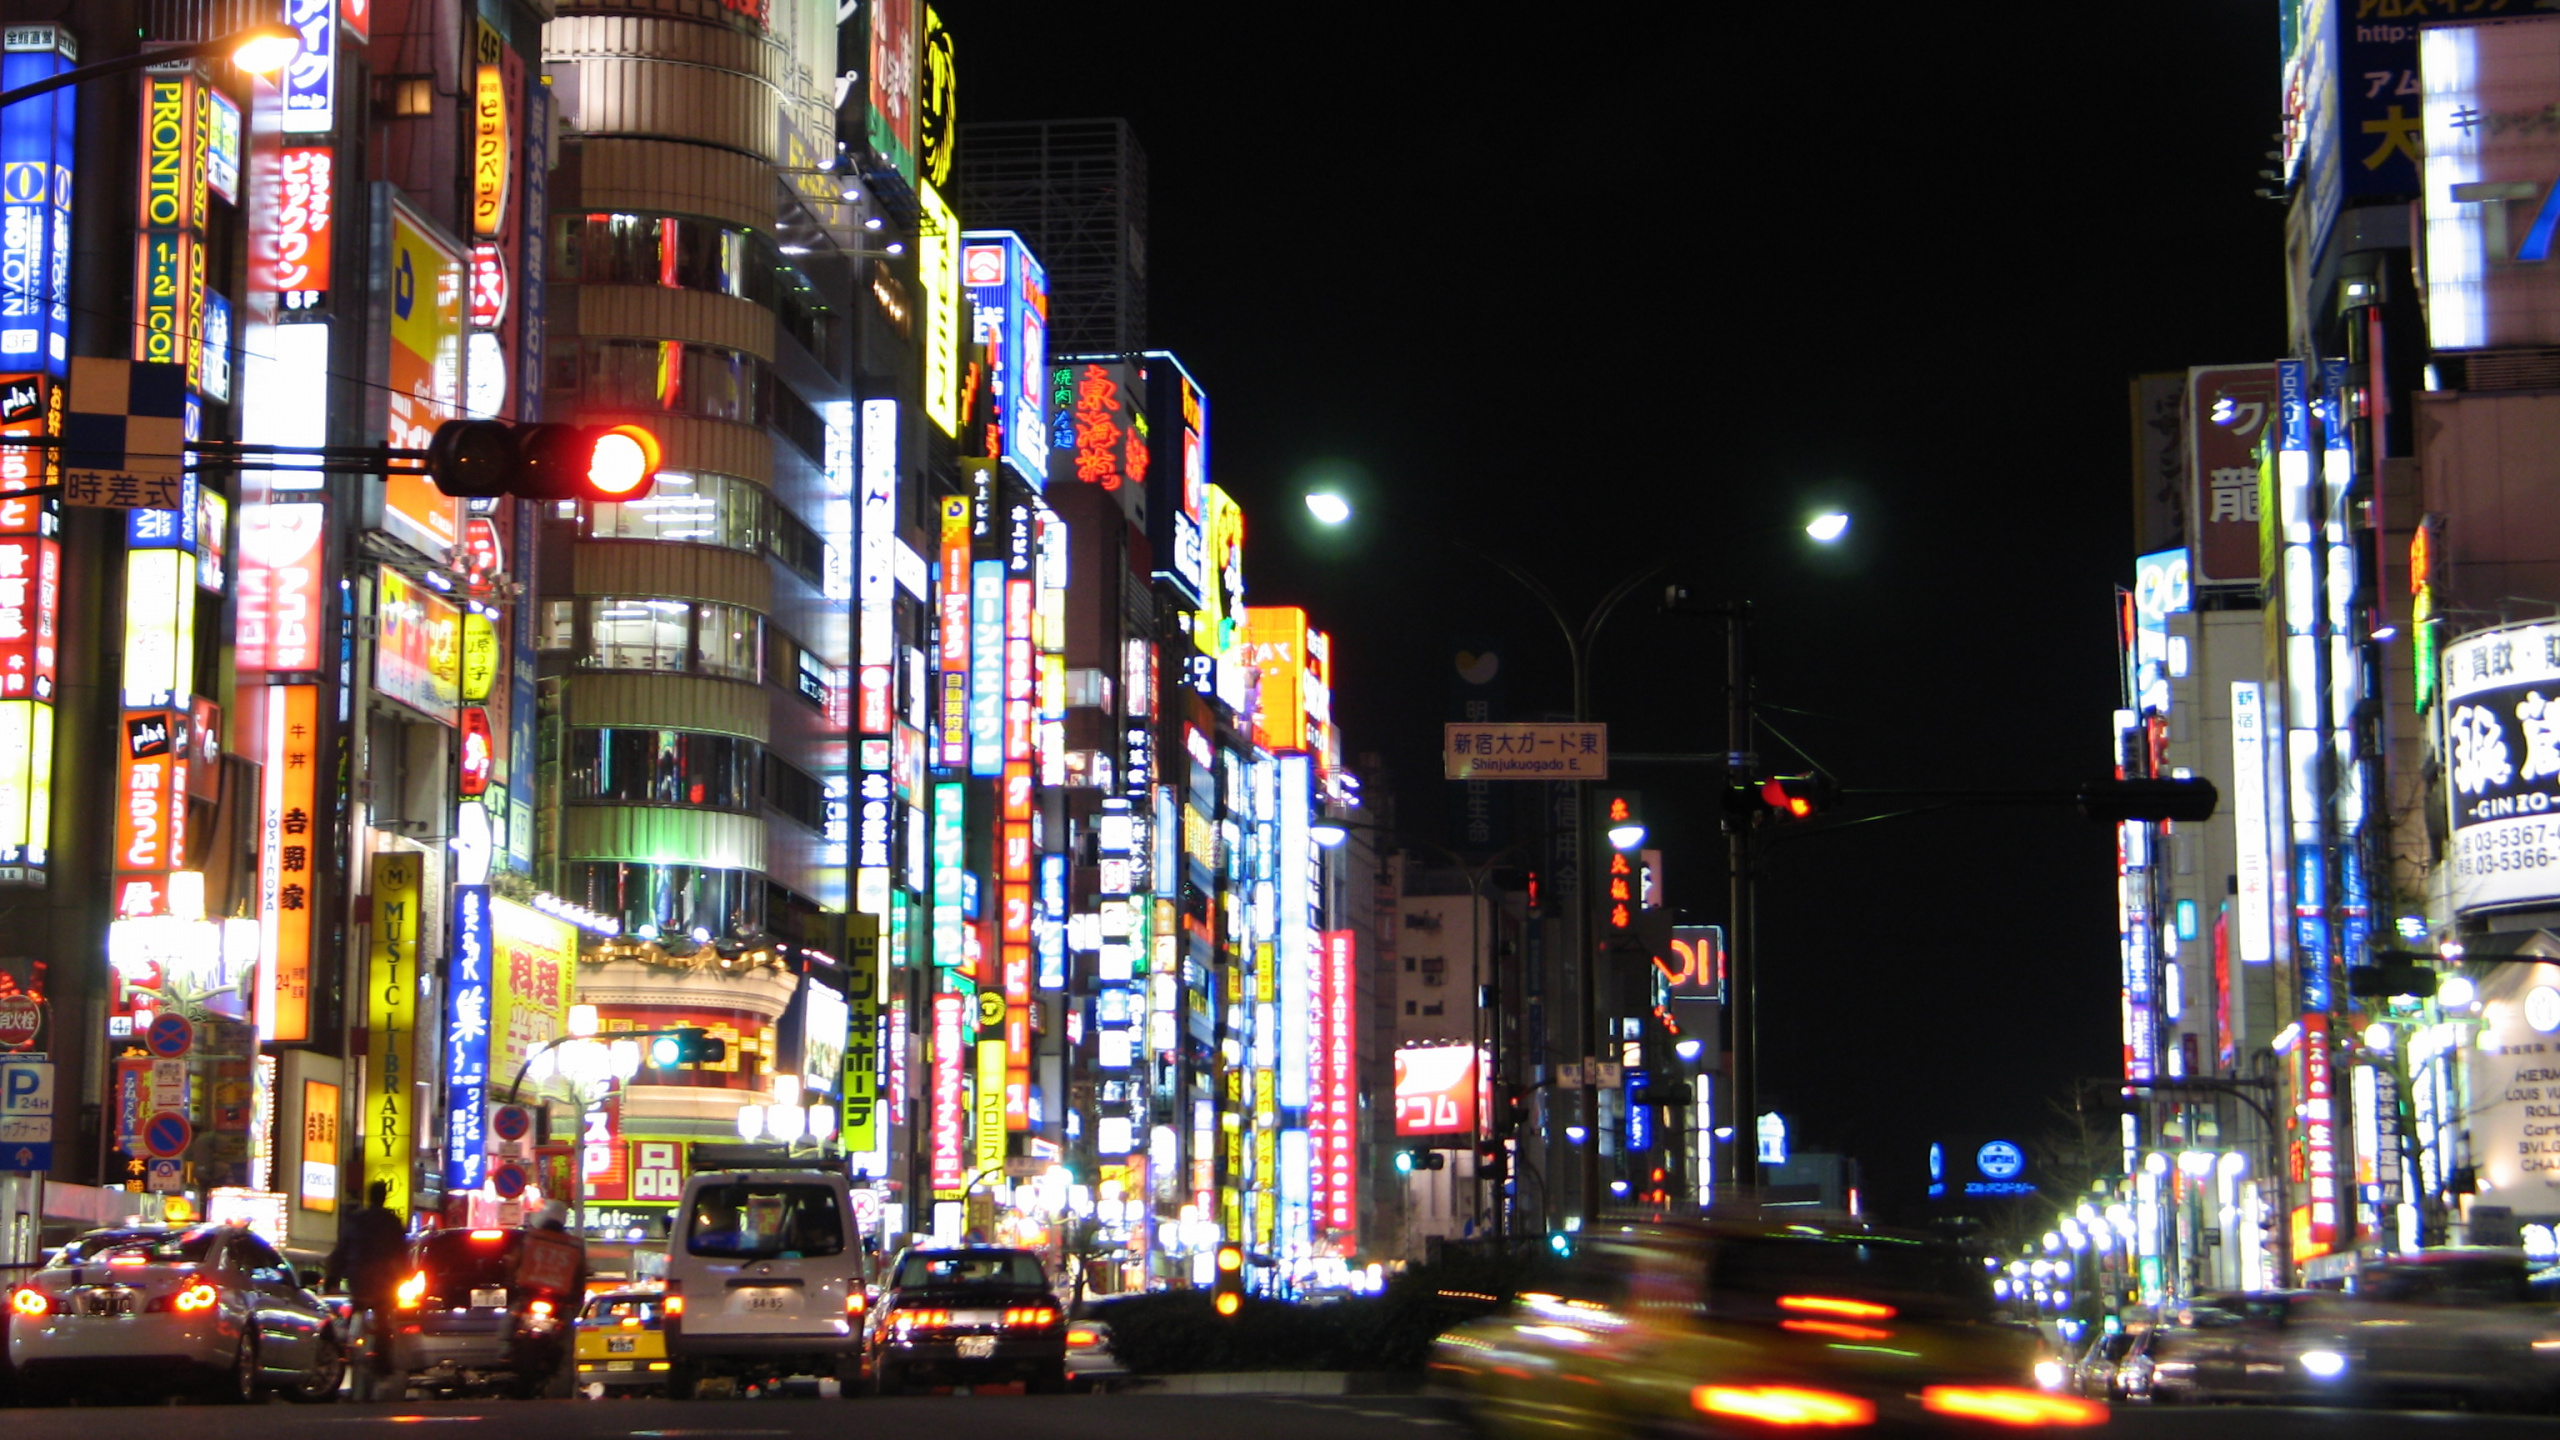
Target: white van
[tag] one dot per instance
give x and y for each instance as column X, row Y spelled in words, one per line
column 764, row 1279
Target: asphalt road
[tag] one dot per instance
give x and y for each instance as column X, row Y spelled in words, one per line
column 1015, row 1417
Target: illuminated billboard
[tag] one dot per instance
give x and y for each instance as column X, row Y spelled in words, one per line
column 1098, row 424
column 890, row 123
column 1178, row 475
column 288, row 872
column 36, row 150
column 938, row 271
column 388, row 1123
column 309, row 85
column 278, row 625
column 417, row 656
column 1009, row 295
column 466, row 1041
column 2491, row 155
column 424, row 369
column 1436, row 1090
column 2228, row 407
column 2501, row 709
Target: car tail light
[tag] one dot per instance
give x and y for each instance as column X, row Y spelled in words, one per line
column 1835, row 1305
column 32, row 1304
column 855, row 1302
column 540, row 1307
column 923, row 1319
column 128, row 1257
column 2005, row 1405
column 198, row 1296
column 1788, row 1405
column 1031, row 1317
column 1083, row 1335
column 488, row 1235
column 672, row 1306
column 413, row 1291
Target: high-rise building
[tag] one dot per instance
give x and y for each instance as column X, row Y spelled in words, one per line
column 1076, row 192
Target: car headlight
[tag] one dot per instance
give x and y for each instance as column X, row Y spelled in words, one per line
column 2049, row 1374
column 2325, row 1364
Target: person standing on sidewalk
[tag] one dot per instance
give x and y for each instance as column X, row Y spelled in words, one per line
column 373, row 1250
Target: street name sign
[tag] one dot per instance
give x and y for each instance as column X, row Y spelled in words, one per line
column 1537, row 751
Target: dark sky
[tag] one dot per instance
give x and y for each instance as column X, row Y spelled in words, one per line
column 1603, row 288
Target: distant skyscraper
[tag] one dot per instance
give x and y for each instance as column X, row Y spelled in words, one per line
column 1076, row 191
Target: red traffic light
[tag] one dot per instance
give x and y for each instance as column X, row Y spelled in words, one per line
column 483, row 459
column 1798, row 796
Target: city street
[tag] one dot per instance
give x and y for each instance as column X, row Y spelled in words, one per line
column 1118, row 1417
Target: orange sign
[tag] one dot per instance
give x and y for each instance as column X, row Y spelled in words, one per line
column 318, row 1183
column 287, row 870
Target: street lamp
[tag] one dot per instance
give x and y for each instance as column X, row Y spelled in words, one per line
column 1328, row 508
column 259, row 49
column 1828, row 526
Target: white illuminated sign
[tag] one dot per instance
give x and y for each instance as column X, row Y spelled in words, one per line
column 2255, row 938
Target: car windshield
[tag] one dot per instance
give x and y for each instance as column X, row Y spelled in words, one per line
column 459, row 1260
column 141, row 1247
column 1917, row 1277
column 765, row 1220
column 615, row 1309
column 970, row 1267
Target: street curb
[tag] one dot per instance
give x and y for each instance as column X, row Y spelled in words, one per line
column 1280, row 1382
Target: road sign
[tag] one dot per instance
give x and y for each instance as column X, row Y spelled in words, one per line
column 170, row 1036
column 1477, row 751
column 21, row 1020
column 169, row 1085
column 508, row 1180
column 26, row 1115
column 511, row 1123
column 165, row 1177
column 167, row 1134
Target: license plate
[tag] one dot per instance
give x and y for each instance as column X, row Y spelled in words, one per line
column 768, row 1301
column 977, row 1347
column 489, row 1299
column 622, row 1344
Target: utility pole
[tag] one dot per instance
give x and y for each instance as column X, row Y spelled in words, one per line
column 1742, row 1153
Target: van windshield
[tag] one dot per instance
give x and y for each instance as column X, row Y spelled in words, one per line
column 767, row 1220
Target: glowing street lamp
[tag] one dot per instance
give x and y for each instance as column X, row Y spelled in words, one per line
column 259, row 49
column 1328, row 508
column 1828, row 526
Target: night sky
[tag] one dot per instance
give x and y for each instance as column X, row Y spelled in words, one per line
column 1599, row 290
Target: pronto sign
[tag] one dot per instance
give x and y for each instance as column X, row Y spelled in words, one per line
column 1526, row 752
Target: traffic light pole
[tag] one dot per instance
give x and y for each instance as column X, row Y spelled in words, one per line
column 1741, row 1167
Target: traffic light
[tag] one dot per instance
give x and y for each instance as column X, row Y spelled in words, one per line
column 688, row 1045
column 1490, row 1155
column 1230, row 1281
column 1408, row 1161
column 1510, row 1109
column 1799, row 797
column 2114, row 801
column 483, row 459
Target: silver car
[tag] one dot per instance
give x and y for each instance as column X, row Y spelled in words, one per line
column 208, row 1309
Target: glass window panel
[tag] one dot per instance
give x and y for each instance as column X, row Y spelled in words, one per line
column 635, row 634
column 732, row 637
column 559, row 627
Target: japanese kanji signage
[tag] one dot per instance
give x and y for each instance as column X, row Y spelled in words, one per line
column 1526, row 752
column 124, row 434
column 287, row 874
column 2501, row 710
column 466, row 1040
column 2228, row 407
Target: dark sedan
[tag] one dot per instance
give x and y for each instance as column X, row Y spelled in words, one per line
column 968, row 1316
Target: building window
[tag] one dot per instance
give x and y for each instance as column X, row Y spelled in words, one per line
column 1408, row 1007
column 676, row 377
column 558, row 629
column 699, row 509
column 732, row 641
column 794, row 792
column 705, row 637
column 798, row 423
column 674, row 902
column 663, row 767
column 634, row 634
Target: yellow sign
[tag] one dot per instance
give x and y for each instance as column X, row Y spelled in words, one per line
column 1222, row 607
column 26, row 781
column 479, row 656
column 988, row 1105
column 488, row 151
column 391, row 1012
column 938, row 270
column 424, row 276
column 533, row 981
